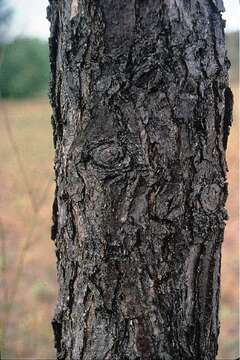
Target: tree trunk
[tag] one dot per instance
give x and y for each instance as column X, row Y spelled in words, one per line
column 141, row 115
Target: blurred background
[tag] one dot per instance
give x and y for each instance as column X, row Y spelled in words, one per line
column 27, row 260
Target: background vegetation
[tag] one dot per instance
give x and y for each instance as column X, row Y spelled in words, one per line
column 24, row 69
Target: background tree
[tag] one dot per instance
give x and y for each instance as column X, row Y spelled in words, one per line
column 24, row 62
column 5, row 17
column 141, row 114
column 25, row 68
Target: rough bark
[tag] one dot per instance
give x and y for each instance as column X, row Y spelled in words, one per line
column 141, row 115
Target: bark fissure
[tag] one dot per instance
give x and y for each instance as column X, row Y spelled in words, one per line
column 141, row 115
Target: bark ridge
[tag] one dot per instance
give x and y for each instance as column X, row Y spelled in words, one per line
column 141, row 115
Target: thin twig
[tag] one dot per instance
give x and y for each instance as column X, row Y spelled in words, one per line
column 23, row 253
column 10, row 294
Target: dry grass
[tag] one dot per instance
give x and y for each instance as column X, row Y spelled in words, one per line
column 229, row 335
column 27, row 254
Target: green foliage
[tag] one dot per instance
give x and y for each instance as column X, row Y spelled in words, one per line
column 24, row 70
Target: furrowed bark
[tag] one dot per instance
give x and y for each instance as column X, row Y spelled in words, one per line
column 141, row 115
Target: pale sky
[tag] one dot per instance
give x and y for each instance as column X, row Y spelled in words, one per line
column 30, row 17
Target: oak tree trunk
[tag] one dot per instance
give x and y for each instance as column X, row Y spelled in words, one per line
column 141, row 115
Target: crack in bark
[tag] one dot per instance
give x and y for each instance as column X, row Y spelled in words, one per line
column 141, row 116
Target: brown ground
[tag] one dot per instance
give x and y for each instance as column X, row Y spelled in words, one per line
column 27, row 260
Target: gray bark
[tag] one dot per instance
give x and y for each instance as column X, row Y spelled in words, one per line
column 141, row 115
